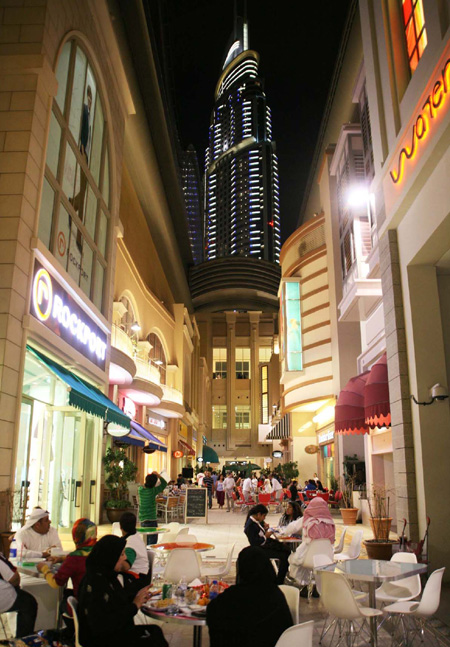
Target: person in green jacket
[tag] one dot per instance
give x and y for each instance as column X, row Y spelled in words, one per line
column 147, row 503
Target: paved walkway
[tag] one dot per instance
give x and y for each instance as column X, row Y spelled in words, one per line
column 223, row 529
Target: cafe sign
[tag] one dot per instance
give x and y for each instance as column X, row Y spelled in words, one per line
column 58, row 311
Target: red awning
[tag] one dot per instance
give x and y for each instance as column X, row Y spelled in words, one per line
column 376, row 395
column 349, row 414
column 186, row 448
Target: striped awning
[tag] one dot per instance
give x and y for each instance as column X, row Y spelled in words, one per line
column 282, row 429
column 186, row 448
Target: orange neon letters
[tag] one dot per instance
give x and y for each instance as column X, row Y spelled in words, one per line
column 430, row 108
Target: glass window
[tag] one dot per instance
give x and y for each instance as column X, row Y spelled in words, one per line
column 415, row 32
column 219, row 363
column 157, row 355
column 265, row 353
column 265, row 394
column 219, row 416
column 292, row 326
column 79, row 222
column 242, row 363
column 45, row 220
column 242, row 413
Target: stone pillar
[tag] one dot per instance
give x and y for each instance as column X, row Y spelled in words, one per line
column 399, row 390
column 255, row 394
column 231, row 378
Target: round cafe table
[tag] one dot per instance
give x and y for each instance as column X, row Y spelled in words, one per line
column 199, row 547
column 292, row 542
column 183, row 618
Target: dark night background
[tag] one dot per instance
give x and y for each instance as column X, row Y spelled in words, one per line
column 297, row 40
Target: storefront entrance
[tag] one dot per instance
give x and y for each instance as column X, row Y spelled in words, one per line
column 58, row 451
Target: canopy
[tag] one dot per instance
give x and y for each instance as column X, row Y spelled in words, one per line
column 131, row 439
column 83, row 395
column 209, row 455
column 349, row 414
column 186, row 448
column 153, row 443
column 376, row 395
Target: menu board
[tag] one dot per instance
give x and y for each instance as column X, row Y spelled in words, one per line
column 196, row 503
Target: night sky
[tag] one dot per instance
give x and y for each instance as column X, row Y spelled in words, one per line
column 297, row 40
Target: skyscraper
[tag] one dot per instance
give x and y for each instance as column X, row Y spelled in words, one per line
column 193, row 199
column 242, row 208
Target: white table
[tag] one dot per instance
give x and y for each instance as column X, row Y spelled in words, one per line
column 374, row 572
column 49, row 599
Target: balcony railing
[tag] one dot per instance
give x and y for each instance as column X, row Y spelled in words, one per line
column 171, row 394
column 146, row 371
column 121, row 341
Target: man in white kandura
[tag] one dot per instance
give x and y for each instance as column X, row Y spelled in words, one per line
column 37, row 536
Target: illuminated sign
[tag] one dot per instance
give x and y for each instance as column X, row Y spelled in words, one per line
column 430, row 110
column 292, row 332
column 277, row 454
column 156, row 422
column 178, row 453
column 325, row 437
column 129, row 408
column 53, row 306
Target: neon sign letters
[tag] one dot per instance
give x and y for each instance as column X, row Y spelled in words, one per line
column 421, row 128
column 58, row 311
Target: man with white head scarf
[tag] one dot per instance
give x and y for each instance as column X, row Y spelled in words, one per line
column 37, row 536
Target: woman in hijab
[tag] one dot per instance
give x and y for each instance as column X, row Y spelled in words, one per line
column 317, row 524
column 236, row 617
column 105, row 610
column 84, row 534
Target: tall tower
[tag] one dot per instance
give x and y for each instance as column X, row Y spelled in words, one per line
column 242, row 207
column 193, row 199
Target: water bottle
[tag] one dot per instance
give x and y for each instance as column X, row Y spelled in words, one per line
column 213, row 590
column 13, row 549
column 181, row 590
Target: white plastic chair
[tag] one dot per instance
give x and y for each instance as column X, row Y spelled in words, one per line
column 298, row 635
column 354, row 549
column 186, row 538
column 73, row 604
column 174, row 529
column 338, row 600
column 421, row 611
column 316, row 547
column 340, row 547
column 184, row 531
column 292, row 595
column 221, row 570
column 182, row 562
column 116, row 529
column 401, row 590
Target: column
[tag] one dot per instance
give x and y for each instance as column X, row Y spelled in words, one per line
column 255, row 386
column 231, row 378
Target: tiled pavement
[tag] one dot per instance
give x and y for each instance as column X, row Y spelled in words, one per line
column 224, row 529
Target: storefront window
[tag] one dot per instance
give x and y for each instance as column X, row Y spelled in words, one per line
column 51, row 471
column 72, row 176
column 157, row 355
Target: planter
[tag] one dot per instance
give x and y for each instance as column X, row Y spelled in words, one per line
column 114, row 514
column 381, row 527
column 6, row 538
column 379, row 549
column 349, row 516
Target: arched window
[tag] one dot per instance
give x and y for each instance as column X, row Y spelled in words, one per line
column 128, row 321
column 157, row 355
column 74, row 216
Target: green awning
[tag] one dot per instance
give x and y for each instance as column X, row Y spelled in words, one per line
column 83, row 395
column 209, row 455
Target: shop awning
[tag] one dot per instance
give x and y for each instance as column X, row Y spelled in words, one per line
column 131, row 439
column 377, row 407
column 153, row 443
column 186, row 448
column 209, row 455
column 281, row 430
column 84, row 396
column 349, row 413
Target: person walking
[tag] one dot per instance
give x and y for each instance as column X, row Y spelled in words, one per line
column 229, row 484
column 247, row 489
column 220, row 492
column 208, row 483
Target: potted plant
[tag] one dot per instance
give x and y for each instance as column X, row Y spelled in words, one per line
column 119, row 470
column 380, row 547
column 348, row 512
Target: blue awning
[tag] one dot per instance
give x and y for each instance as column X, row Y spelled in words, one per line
column 83, row 395
column 153, row 443
column 130, row 440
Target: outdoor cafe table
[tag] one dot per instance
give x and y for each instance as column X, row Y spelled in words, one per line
column 374, row 572
column 292, row 542
column 183, row 618
column 197, row 546
column 151, row 531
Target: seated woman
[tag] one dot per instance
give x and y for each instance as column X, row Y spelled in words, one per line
column 236, row 617
column 258, row 534
column 291, row 522
column 317, row 524
column 105, row 611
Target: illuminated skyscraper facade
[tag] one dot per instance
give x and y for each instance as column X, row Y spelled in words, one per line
column 242, row 208
column 192, row 192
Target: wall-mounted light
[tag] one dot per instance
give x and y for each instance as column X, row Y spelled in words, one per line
column 135, row 327
column 437, row 392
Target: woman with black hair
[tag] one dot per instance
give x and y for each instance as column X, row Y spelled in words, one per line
column 105, row 611
column 291, row 521
column 147, row 503
column 236, row 617
column 258, row 534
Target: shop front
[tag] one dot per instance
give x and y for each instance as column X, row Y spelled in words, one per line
column 62, row 410
column 325, row 440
